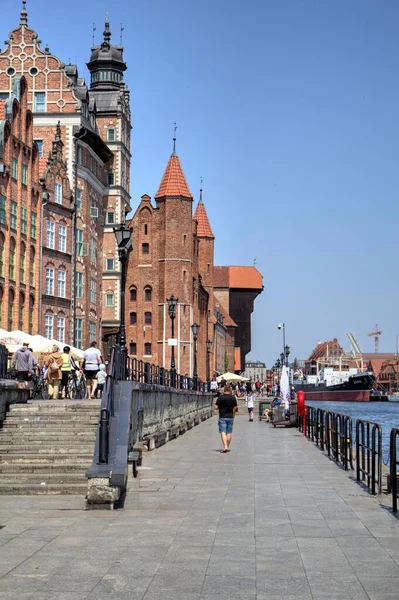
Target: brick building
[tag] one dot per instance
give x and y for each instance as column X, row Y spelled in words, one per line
column 94, row 127
column 173, row 254
column 20, row 199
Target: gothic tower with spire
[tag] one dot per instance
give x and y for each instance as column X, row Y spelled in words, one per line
column 110, row 96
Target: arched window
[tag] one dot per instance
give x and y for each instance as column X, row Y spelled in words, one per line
column 11, row 266
column 11, row 298
column 21, row 308
column 147, row 294
column 147, row 318
column 2, row 240
column 31, row 311
column 133, row 294
column 22, row 263
column 1, row 306
column 32, row 266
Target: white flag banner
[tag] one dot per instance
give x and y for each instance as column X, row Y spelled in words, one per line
column 285, row 393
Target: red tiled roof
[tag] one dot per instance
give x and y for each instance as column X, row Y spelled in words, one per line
column 42, row 164
column 204, row 227
column 245, row 277
column 320, row 351
column 237, row 359
column 173, row 181
column 2, row 109
column 221, row 277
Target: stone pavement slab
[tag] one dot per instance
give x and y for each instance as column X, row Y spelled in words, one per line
column 273, row 519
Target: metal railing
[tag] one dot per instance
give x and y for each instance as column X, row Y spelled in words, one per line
column 393, row 468
column 369, row 455
column 338, row 436
column 124, row 368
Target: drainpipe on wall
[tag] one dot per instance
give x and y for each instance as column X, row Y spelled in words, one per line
column 45, row 200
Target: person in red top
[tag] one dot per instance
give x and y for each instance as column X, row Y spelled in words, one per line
column 227, row 406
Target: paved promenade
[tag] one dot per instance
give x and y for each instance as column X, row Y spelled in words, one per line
column 273, row 519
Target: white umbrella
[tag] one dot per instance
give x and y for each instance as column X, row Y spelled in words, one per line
column 231, row 377
column 285, row 393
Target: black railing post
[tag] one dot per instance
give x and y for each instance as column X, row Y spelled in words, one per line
column 104, row 437
column 393, row 467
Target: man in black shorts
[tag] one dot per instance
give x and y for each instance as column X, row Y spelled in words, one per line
column 91, row 365
column 227, row 406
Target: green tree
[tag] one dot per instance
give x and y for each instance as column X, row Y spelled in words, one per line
column 226, row 361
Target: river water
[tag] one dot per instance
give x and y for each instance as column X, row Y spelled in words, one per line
column 384, row 413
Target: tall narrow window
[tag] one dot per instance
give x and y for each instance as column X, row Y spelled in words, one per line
column 24, row 224
column 147, row 294
column 58, row 193
column 21, row 311
column 110, row 179
column 49, row 281
column 145, row 229
column 79, row 242
column 32, row 266
column 93, row 290
column 110, row 264
column 40, row 102
column 22, row 263
column 79, row 155
column 61, row 283
column 24, row 175
column 133, row 294
column 11, row 298
column 1, row 306
column 13, row 215
column 133, row 318
column 49, row 327
column 40, row 147
column 133, row 348
column 78, row 285
column 61, row 329
column 78, row 332
column 62, row 238
column 92, row 332
column 2, row 209
column 147, row 349
column 147, row 318
column 146, row 248
column 11, row 266
column 110, row 135
column 50, row 230
column 2, row 240
column 109, row 300
column 78, row 199
column 14, row 168
column 93, row 250
column 110, row 218
column 33, row 225
column 31, row 313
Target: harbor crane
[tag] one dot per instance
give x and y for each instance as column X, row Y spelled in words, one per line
column 357, row 353
column 376, row 334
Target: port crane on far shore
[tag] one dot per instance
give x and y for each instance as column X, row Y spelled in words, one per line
column 376, row 334
column 356, row 352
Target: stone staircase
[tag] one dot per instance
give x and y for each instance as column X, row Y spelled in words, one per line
column 47, row 446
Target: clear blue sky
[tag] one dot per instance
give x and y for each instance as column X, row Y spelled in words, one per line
column 289, row 111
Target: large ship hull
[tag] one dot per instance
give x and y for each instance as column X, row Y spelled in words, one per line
column 339, row 396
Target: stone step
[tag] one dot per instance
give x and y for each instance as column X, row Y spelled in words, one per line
column 40, row 448
column 23, row 436
column 46, row 459
column 47, row 478
column 54, row 410
column 56, row 425
column 20, row 489
column 34, row 466
column 58, row 405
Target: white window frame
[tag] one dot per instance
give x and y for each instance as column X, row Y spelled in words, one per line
column 78, row 201
column 58, row 193
column 78, row 284
column 78, row 332
column 49, row 326
column 40, row 147
column 61, row 329
column 62, row 238
column 50, row 234
column 41, row 104
column 61, row 283
column 109, row 295
column 49, row 281
column 107, row 266
column 113, row 134
column 93, row 290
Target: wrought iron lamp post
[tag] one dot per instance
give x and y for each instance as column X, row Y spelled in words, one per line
column 282, row 359
column 172, row 304
column 208, row 363
column 124, row 240
column 287, row 353
column 278, row 365
column 194, row 329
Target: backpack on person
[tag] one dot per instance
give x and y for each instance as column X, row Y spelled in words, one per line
column 53, row 366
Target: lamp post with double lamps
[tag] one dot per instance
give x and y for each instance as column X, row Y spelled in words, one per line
column 287, row 353
column 124, row 240
column 208, row 364
column 172, row 304
column 194, row 329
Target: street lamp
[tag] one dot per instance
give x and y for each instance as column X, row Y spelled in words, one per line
column 194, row 329
column 282, row 358
column 124, row 240
column 208, row 363
column 172, row 304
column 287, row 353
column 278, row 365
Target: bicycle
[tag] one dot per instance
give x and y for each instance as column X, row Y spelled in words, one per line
column 40, row 388
column 76, row 386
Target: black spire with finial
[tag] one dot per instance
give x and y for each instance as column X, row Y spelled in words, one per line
column 107, row 31
column 24, row 14
column 174, row 141
column 58, row 131
column 200, row 198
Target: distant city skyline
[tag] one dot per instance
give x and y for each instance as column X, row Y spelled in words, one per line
column 289, row 112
